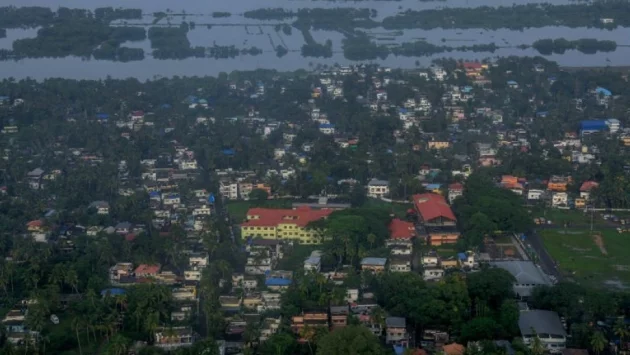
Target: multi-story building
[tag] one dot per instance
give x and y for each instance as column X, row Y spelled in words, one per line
column 396, row 330
column 377, row 188
column 309, row 320
column 284, row 224
column 228, row 189
column 174, row 338
column 339, row 316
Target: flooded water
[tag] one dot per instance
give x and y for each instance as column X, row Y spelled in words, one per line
column 259, row 34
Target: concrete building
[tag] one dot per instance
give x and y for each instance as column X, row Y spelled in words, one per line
column 545, row 325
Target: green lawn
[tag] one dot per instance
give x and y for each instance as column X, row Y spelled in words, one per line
column 580, row 258
column 398, row 209
column 238, row 209
column 560, row 216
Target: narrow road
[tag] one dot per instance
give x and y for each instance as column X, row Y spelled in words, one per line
column 544, row 259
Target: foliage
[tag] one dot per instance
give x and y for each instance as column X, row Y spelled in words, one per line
column 353, row 339
column 585, row 45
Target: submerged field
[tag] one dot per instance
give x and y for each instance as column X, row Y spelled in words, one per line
column 598, row 259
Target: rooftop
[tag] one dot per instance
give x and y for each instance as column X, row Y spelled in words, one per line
column 399, row 229
column 374, row 261
column 525, row 272
column 301, row 216
column 540, row 322
column 432, row 206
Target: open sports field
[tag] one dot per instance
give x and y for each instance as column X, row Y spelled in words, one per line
column 600, row 258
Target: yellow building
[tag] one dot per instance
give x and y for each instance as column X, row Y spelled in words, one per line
column 270, row 223
column 439, row 144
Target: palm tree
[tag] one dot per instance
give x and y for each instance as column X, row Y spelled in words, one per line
column 598, row 342
column 371, row 238
column 118, row 345
column 71, row 278
column 621, row 331
column 77, row 322
column 537, row 347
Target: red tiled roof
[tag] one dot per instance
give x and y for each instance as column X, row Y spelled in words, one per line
column 147, row 269
column 456, row 186
column 454, row 349
column 35, row 223
column 272, row 217
column 431, row 206
column 399, row 229
column 588, row 186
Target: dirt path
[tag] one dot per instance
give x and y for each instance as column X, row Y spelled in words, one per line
column 597, row 238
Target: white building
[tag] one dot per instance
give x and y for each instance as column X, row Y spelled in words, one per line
column 559, row 199
column 535, row 194
column 378, row 188
column 228, row 190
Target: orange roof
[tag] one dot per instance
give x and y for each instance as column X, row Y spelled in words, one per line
column 35, row 223
column 588, row 186
column 273, row 217
column 431, row 206
column 454, row 349
column 145, row 269
column 399, row 229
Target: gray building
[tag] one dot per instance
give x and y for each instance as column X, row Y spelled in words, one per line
column 547, row 326
column 527, row 276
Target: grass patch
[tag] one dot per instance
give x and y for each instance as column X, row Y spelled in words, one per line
column 238, row 209
column 580, row 258
column 560, row 216
column 398, row 209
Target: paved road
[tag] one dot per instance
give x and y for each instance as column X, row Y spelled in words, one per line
column 544, row 259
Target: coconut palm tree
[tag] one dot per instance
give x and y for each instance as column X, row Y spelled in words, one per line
column 77, row 323
column 598, row 342
column 118, row 345
column 621, row 331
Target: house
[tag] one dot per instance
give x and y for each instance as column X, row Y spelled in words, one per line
column 535, row 194
column 278, row 280
column 559, row 199
column 433, row 211
column 101, row 207
column 286, row 224
column 432, row 273
column 198, row 259
column 454, row 349
column 314, row 262
column 512, row 84
column 123, row 228
column 34, row 178
column 586, row 188
column 467, row 259
column 373, row 264
column 401, row 230
column 558, row 183
column 592, row 126
column 396, row 330
column 228, row 189
column 120, row 271
column 309, row 320
column 377, row 188
column 173, row 338
column 339, row 316
column 327, row 128
column 400, row 264
column 185, row 293
column 545, row 325
column 430, row 259
column 527, row 275
column 230, row 303
column 613, row 125
column 438, row 145
column 147, row 270
column 454, row 191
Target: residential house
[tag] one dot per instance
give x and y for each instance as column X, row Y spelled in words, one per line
column 309, row 319
column 198, row 259
column 396, row 330
column 373, row 264
column 279, row 280
column 400, row 263
column 101, row 207
column 147, row 270
column 314, row 262
column 546, row 326
column 34, row 178
column 430, row 259
column 535, row 194
column 173, row 338
column 377, row 188
column 454, row 191
column 120, row 272
column 558, row 183
column 327, row 128
column 559, row 199
column 433, row 144
column 228, row 189
column 339, row 316
column 586, row 188
column 185, row 293
column 401, row 230
column 433, row 273
column 286, row 224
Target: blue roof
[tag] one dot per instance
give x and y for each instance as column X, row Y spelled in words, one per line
column 593, row 124
column 326, row 125
column 402, row 110
column 228, row 151
column 154, row 193
column 433, row 186
column 102, row 116
column 277, row 281
column 113, row 291
column 461, row 256
column 512, row 82
column 603, row 91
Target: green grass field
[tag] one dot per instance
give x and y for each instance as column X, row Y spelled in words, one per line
column 398, row 209
column 579, row 257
